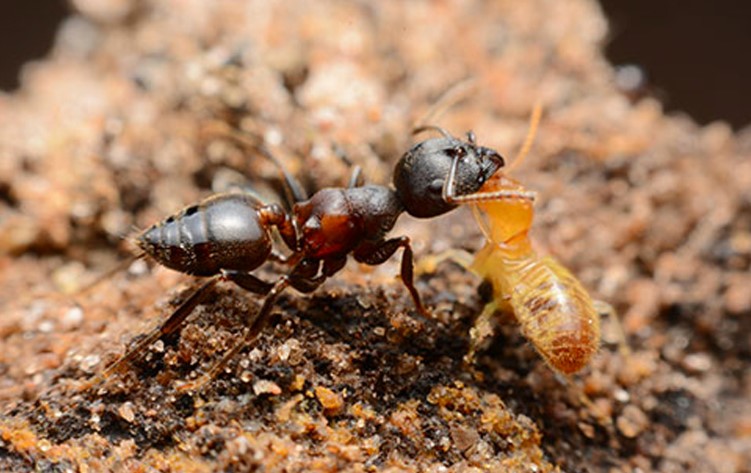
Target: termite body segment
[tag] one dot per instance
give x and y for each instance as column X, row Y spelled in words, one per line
column 554, row 310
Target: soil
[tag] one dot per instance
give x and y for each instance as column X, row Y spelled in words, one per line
column 117, row 129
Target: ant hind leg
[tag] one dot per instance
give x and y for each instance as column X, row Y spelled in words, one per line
column 297, row 278
column 251, row 333
column 169, row 326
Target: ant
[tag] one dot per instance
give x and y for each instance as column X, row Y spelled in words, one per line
column 227, row 236
column 555, row 312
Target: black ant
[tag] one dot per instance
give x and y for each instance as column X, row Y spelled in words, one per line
column 227, row 236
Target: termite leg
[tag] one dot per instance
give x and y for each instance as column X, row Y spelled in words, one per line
column 377, row 253
column 482, row 329
column 605, row 309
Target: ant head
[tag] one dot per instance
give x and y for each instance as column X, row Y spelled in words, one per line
column 420, row 174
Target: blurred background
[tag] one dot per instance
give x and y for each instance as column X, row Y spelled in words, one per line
column 682, row 51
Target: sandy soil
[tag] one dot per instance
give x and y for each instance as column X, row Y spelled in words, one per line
column 112, row 132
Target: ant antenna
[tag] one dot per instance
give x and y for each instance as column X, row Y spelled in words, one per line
column 293, row 190
column 424, row 128
column 534, row 121
column 446, row 100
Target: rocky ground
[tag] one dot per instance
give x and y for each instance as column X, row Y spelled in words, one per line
column 113, row 131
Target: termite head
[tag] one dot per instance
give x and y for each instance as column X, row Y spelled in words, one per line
column 421, row 173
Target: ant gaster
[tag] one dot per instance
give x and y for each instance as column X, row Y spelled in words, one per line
column 227, row 236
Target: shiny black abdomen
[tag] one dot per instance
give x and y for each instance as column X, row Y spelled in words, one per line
column 221, row 232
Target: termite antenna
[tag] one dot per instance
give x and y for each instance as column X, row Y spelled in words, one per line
column 534, row 122
column 446, row 100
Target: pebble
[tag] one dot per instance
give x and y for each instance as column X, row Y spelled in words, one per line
column 632, row 421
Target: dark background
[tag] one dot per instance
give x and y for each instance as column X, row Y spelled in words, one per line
column 693, row 52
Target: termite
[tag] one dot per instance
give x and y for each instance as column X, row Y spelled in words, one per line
column 555, row 312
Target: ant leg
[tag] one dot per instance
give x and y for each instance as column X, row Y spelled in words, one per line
column 255, row 328
column 293, row 190
column 355, row 179
column 442, row 131
column 298, row 279
column 376, row 253
column 278, row 257
column 169, row 326
column 248, row 282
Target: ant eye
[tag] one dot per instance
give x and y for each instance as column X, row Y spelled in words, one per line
column 456, row 152
column 436, row 187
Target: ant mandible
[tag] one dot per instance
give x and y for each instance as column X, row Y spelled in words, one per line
column 555, row 312
column 227, row 236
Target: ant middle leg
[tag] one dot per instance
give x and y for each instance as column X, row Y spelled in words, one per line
column 377, row 253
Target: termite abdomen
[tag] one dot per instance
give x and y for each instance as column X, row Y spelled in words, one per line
column 222, row 232
column 556, row 314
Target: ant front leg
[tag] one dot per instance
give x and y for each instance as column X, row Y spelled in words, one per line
column 377, row 253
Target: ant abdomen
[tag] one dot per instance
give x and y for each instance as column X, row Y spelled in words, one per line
column 225, row 231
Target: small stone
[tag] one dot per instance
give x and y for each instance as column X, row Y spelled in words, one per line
column 331, row 401
column 632, row 421
column 126, row 412
column 72, row 319
column 246, row 376
column 264, row 386
column 587, row 429
column 89, row 362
